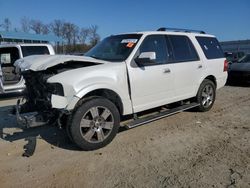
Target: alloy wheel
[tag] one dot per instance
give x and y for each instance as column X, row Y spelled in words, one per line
column 96, row 124
column 207, row 96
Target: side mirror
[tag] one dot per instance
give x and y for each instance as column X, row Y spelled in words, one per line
column 146, row 58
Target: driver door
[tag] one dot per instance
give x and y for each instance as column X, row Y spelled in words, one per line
column 151, row 84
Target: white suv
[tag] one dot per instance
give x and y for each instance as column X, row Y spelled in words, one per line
column 9, row 53
column 123, row 75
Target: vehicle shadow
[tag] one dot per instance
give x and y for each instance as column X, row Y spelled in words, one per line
column 10, row 131
column 238, row 84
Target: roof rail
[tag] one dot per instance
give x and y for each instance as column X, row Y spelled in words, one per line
column 181, row 30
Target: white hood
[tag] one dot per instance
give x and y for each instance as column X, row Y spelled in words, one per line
column 42, row 62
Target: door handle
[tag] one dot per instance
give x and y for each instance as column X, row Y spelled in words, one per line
column 167, row 70
column 199, row 66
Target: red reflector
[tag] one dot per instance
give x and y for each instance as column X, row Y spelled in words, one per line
column 225, row 66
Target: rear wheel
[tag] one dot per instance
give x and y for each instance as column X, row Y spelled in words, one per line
column 95, row 124
column 206, row 95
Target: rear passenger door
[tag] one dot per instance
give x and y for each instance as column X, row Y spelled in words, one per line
column 187, row 66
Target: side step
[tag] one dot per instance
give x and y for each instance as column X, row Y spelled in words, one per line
column 148, row 119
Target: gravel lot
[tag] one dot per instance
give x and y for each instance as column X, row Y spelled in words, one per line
column 189, row 149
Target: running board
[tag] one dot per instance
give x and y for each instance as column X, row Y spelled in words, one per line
column 148, row 119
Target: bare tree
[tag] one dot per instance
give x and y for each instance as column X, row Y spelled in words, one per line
column 94, row 37
column 66, row 32
column 75, row 34
column 83, row 35
column 57, row 27
column 77, row 39
column 36, row 26
column 45, row 29
column 16, row 29
column 25, row 24
column 69, row 32
column 6, row 24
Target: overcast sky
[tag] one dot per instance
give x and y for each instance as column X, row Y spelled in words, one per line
column 227, row 19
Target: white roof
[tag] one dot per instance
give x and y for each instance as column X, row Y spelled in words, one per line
column 24, row 44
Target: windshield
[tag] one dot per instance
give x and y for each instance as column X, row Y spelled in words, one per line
column 114, row 48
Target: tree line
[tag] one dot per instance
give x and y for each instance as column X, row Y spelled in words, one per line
column 77, row 39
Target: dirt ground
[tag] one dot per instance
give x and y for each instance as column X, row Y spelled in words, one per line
column 189, row 149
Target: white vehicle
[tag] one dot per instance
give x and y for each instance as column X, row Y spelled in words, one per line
column 9, row 53
column 123, row 75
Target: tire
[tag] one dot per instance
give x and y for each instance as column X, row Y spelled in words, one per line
column 94, row 124
column 206, row 95
column 68, row 131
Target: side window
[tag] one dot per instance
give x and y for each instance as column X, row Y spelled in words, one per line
column 8, row 56
column 157, row 44
column 210, row 47
column 183, row 48
column 5, row 58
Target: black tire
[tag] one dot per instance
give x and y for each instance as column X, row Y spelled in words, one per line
column 96, row 130
column 209, row 99
column 68, row 131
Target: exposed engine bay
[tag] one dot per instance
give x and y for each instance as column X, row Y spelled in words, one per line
column 37, row 109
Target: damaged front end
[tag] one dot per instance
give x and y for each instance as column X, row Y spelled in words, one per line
column 37, row 109
column 45, row 102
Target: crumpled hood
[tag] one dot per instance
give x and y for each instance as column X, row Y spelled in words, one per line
column 42, row 62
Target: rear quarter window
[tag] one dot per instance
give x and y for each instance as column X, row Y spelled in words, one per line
column 34, row 50
column 210, row 47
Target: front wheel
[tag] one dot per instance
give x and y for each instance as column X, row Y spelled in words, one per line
column 206, row 95
column 95, row 123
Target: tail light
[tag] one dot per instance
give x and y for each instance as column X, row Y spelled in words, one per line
column 225, row 66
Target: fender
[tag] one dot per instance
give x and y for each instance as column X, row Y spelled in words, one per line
column 126, row 102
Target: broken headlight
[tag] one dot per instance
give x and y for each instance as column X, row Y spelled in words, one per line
column 56, row 89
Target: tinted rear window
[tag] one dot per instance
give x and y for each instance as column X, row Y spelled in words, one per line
column 210, row 47
column 34, row 50
column 183, row 49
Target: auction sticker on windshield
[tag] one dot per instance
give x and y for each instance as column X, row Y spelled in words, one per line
column 129, row 40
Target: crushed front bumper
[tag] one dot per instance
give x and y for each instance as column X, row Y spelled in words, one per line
column 30, row 119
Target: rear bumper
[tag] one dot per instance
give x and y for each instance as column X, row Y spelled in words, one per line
column 14, row 88
column 13, row 91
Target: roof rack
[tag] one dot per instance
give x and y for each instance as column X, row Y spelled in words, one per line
column 181, row 30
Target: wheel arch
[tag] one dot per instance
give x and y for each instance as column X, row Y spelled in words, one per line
column 211, row 78
column 108, row 94
column 100, row 92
